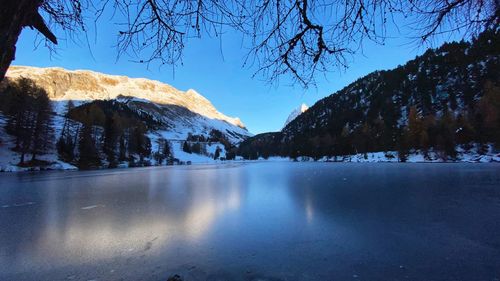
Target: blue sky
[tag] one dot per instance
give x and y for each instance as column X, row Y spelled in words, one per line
column 220, row 78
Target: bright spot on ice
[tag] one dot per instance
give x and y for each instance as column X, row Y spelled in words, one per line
column 18, row 205
column 89, row 207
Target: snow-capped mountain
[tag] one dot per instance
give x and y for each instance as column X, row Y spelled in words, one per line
column 180, row 112
column 295, row 113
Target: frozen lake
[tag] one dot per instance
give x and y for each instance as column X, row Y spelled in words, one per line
column 256, row 221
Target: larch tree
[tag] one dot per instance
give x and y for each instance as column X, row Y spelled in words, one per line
column 112, row 132
column 29, row 118
column 414, row 128
column 43, row 133
column 488, row 114
column 139, row 142
column 66, row 142
column 88, row 153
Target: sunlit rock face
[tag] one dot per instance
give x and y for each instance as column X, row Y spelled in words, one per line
column 84, row 85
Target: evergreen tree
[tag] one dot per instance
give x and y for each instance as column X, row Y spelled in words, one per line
column 402, row 146
column 166, row 149
column 65, row 143
column 424, row 143
column 19, row 115
column 96, row 118
column 231, row 155
column 139, row 143
column 29, row 118
column 68, row 107
column 112, row 132
column 465, row 131
column 488, row 114
column 345, row 141
column 445, row 137
column 196, row 148
column 217, row 153
column 162, row 153
column 122, row 149
column 87, row 150
column 186, row 147
column 42, row 130
column 414, row 131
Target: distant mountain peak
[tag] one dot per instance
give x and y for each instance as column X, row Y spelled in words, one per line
column 295, row 113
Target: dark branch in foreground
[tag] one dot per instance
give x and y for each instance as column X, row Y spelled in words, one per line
column 297, row 38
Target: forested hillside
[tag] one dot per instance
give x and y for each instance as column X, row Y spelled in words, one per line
column 446, row 99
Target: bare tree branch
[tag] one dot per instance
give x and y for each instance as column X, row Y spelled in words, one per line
column 295, row 38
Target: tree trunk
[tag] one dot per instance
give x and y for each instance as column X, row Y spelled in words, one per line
column 14, row 15
column 12, row 18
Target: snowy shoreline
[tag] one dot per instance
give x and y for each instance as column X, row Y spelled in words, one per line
column 371, row 157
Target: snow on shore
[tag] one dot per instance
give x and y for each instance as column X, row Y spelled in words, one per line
column 470, row 156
